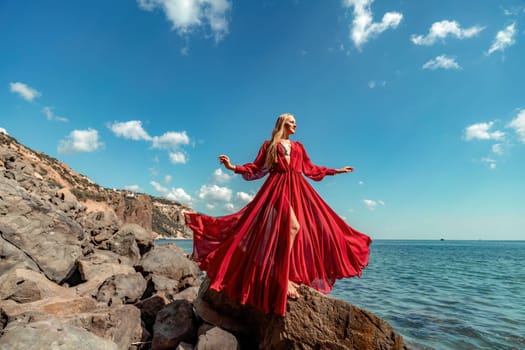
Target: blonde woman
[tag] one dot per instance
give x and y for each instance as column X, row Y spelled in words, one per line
column 286, row 236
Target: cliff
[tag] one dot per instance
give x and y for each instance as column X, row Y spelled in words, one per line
column 36, row 171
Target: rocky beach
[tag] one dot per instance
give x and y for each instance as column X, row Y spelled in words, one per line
column 79, row 269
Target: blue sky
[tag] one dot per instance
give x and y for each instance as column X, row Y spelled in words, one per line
column 424, row 98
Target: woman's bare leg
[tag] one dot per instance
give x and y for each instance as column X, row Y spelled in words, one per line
column 294, row 228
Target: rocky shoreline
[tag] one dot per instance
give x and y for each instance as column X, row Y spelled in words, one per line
column 75, row 276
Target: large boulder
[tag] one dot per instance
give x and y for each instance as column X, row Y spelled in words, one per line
column 24, row 286
column 123, row 243
column 45, row 234
column 122, row 289
column 51, row 334
column 121, row 323
column 174, row 323
column 101, row 264
column 313, row 321
column 100, row 225
column 169, row 261
column 145, row 239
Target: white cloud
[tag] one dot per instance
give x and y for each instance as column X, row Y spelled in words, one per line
column 219, row 176
column 440, row 30
column 214, row 193
column 175, row 194
column 131, row 129
column 25, row 91
column 481, row 131
column 372, row 204
column 80, row 141
column 167, row 179
column 442, row 62
column 491, row 162
column 179, row 195
column 373, row 84
column 48, row 111
column 185, row 15
column 518, row 124
column 504, row 39
column 243, row 197
column 363, row 28
column 229, row 207
column 360, row 183
column 159, row 188
column 133, row 188
column 178, row 157
column 497, row 148
column 3, row 131
column 171, row 139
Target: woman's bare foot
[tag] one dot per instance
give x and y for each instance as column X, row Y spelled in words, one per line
column 292, row 290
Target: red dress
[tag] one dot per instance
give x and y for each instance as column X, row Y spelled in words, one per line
column 245, row 254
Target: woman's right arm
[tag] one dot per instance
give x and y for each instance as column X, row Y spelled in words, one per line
column 249, row 171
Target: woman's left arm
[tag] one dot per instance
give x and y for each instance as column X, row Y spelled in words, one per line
column 314, row 172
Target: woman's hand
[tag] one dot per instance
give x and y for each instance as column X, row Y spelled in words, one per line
column 224, row 159
column 345, row 169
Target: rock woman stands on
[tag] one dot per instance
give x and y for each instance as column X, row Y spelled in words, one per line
column 287, row 235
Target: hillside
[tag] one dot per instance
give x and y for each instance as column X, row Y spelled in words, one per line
column 36, row 171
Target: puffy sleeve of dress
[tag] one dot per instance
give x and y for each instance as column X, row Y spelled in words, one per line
column 257, row 169
column 314, row 172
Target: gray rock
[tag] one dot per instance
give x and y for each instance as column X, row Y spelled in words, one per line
column 12, row 257
column 313, row 321
column 169, row 261
column 166, row 287
column 124, row 244
column 122, row 289
column 100, row 225
column 145, row 240
column 174, row 323
column 101, row 264
column 149, row 308
column 24, row 286
column 120, row 324
column 50, row 238
column 51, row 334
column 189, row 294
column 217, row 339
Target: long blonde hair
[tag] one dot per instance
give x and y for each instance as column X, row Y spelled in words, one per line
column 278, row 133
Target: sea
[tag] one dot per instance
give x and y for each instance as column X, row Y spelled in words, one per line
column 443, row 295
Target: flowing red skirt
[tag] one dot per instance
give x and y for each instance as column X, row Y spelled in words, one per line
column 246, row 254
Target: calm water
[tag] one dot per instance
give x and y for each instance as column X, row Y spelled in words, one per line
column 443, row 294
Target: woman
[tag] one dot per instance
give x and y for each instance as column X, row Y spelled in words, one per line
column 287, row 235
